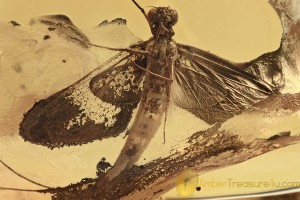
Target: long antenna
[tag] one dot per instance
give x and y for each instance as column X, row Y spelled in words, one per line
column 143, row 11
column 23, row 177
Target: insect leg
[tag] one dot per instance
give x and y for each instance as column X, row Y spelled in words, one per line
column 129, row 50
column 24, row 190
column 165, row 122
column 23, row 177
column 152, row 73
column 171, row 72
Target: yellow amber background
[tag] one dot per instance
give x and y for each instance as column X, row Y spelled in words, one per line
column 233, row 29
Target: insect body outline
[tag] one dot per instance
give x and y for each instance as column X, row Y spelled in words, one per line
column 155, row 97
column 195, row 80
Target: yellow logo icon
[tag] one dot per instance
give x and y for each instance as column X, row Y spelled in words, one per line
column 187, row 182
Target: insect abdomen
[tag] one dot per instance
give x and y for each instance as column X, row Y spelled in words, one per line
column 153, row 106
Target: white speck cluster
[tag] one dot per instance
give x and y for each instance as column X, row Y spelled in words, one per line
column 92, row 108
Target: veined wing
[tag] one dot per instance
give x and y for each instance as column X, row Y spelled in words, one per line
column 212, row 88
column 42, row 55
column 119, row 85
column 77, row 115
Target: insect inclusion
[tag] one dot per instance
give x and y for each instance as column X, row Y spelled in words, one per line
column 156, row 72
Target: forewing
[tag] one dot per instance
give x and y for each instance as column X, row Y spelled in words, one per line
column 39, row 60
column 76, row 116
column 212, row 88
column 43, row 55
column 118, row 85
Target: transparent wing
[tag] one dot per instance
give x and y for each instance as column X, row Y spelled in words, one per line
column 212, row 88
column 42, row 56
column 37, row 61
column 51, row 54
column 82, row 112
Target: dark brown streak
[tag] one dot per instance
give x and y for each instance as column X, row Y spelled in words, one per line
column 23, row 177
column 23, row 190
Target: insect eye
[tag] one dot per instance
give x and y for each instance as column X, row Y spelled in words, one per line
column 169, row 24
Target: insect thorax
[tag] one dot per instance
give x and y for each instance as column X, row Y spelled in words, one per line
column 163, row 54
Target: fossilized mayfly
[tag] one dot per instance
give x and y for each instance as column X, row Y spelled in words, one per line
column 150, row 74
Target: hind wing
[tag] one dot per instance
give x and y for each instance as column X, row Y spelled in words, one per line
column 212, row 88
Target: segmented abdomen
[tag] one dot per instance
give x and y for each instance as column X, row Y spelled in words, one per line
column 153, row 105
